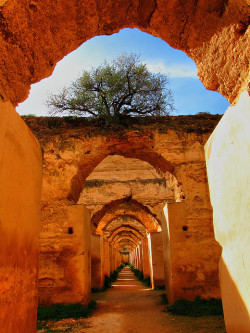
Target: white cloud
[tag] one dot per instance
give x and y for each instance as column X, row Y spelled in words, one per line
column 174, row 71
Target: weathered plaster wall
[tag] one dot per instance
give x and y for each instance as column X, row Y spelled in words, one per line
column 97, row 262
column 189, row 252
column 167, row 256
column 157, row 274
column 145, row 258
column 65, row 256
column 20, row 195
column 228, row 161
column 106, row 262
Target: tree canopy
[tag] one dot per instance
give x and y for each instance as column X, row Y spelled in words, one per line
column 124, row 87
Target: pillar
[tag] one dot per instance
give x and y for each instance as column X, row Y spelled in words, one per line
column 97, row 273
column 167, row 256
column 106, row 258
column 64, row 266
column 191, row 254
column 78, row 267
column 155, row 244
column 111, row 258
column 20, row 200
column 140, row 254
column 145, row 258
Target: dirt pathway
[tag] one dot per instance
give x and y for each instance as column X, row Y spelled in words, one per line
column 130, row 307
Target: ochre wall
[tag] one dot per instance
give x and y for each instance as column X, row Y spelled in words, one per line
column 192, row 251
column 35, row 36
column 167, row 255
column 97, row 262
column 20, row 197
column 145, row 258
column 106, row 255
column 65, row 262
column 157, row 274
column 228, row 165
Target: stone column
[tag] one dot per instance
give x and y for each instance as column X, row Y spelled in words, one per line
column 117, row 259
column 79, row 266
column 111, row 258
column 136, row 258
column 131, row 258
column 97, row 276
column 145, row 258
column 106, row 258
column 191, row 254
column 228, row 161
column 167, row 256
column 141, row 259
column 20, row 200
column 155, row 244
column 65, row 268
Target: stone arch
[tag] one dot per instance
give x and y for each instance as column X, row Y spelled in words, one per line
column 128, row 239
column 123, row 235
column 131, row 222
column 126, row 244
column 130, row 145
column 133, row 241
column 129, row 228
column 128, row 207
column 31, row 50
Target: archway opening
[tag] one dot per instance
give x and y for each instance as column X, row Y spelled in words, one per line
column 21, row 42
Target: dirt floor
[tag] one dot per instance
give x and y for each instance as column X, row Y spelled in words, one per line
column 130, row 307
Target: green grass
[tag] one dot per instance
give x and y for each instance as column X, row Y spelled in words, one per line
column 139, row 275
column 108, row 280
column 160, row 287
column 63, row 311
column 147, row 281
column 198, row 308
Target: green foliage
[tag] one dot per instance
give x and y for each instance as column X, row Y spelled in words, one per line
column 114, row 91
column 147, row 281
column 140, row 276
column 198, row 308
column 108, row 280
column 62, row 311
column 160, row 287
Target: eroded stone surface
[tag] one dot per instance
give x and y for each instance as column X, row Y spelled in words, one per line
column 20, row 195
column 35, row 35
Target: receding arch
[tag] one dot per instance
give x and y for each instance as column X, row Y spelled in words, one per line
column 127, row 207
column 126, row 239
column 123, row 235
column 130, row 145
column 125, row 244
column 133, row 223
column 127, row 228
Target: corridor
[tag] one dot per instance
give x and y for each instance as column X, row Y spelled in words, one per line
column 131, row 307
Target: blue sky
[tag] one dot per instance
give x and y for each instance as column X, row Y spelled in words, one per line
column 189, row 94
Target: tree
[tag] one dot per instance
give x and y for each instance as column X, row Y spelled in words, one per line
column 124, row 87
